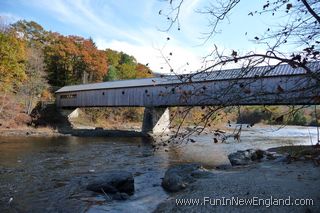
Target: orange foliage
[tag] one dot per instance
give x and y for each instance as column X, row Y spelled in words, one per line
column 143, row 71
column 70, row 57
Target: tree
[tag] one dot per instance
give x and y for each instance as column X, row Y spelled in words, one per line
column 112, row 74
column 12, row 61
column 94, row 60
column 124, row 66
column 296, row 42
column 69, row 58
column 303, row 28
column 127, row 71
column 32, row 32
column 113, row 57
column 127, row 59
column 143, row 71
column 36, row 81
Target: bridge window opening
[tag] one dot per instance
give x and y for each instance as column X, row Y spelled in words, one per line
column 122, row 92
column 146, row 91
column 69, row 96
column 102, row 93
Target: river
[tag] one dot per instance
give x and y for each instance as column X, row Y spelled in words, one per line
column 48, row 174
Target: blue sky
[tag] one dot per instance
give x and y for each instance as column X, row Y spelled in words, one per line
column 134, row 26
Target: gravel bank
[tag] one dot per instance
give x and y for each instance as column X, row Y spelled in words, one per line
column 277, row 179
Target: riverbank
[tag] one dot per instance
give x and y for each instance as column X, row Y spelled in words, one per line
column 26, row 131
column 47, row 132
column 265, row 180
column 128, row 130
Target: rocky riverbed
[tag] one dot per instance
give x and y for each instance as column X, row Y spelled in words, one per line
column 270, row 179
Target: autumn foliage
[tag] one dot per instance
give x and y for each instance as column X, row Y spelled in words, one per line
column 12, row 61
column 73, row 60
column 35, row 62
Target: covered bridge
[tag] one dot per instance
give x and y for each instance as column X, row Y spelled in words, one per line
column 279, row 85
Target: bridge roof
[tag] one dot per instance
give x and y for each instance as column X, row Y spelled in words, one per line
column 265, row 71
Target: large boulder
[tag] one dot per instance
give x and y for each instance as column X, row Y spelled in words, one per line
column 250, row 156
column 179, row 177
column 113, row 182
column 245, row 157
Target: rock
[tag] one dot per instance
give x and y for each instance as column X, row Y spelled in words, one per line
column 120, row 196
column 223, row 167
column 258, row 155
column 94, row 199
column 250, row 155
column 245, row 157
column 200, row 173
column 113, row 182
column 239, row 158
column 274, row 156
column 179, row 177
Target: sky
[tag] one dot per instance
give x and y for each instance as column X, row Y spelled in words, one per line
column 136, row 28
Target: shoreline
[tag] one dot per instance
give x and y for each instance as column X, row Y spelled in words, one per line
column 29, row 132
column 66, row 132
column 298, row 180
column 101, row 132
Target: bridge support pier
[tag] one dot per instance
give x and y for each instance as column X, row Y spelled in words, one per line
column 70, row 113
column 156, row 120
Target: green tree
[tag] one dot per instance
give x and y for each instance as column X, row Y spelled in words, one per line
column 124, row 66
column 127, row 71
column 113, row 57
column 31, row 32
column 127, row 59
column 112, row 74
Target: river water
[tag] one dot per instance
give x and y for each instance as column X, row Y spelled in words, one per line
column 49, row 174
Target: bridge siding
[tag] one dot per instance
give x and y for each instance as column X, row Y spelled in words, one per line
column 263, row 90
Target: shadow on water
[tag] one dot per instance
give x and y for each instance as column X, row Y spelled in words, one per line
column 101, row 133
column 50, row 116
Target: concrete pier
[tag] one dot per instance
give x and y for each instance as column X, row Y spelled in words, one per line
column 70, row 113
column 156, row 120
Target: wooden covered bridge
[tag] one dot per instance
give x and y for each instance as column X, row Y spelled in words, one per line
column 280, row 85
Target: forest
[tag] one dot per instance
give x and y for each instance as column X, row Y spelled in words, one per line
column 35, row 62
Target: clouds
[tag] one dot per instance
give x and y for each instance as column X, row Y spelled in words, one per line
column 82, row 15
column 159, row 59
column 133, row 27
column 9, row 17
column 128, row 26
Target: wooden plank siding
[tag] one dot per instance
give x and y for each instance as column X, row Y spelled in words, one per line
column 296, row 89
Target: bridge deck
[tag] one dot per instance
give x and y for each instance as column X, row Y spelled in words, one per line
column 256, row 86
